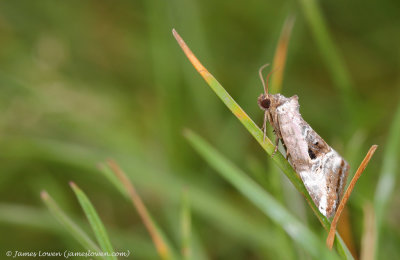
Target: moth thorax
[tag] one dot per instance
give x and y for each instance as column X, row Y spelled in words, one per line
column 264, row 101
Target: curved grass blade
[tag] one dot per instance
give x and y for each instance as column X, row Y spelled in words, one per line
column 72, row 228
column 357, row 175
column 263, row 200
column 94, row 221
column 266, row 144
column 280, row 56
column 387, row 180
column 162, row 245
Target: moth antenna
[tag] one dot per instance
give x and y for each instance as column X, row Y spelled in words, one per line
column 262, row 78
column 361, row 168
column 265, row 83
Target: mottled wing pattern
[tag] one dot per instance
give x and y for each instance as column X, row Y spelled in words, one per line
column 322, row 169
column 329, row 171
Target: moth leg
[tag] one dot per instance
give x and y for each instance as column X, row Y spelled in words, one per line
column 278, row 135
column 287, row 151
column 264, row 127
column 276, row 146
column 287, row 154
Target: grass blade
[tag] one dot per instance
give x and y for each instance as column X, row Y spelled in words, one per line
column 186, row 226
column 280, row 56
column 163, row 248
column 94, row 221
column 70, row 226
column 360, row 170
column 266, row 144
column 263, row 200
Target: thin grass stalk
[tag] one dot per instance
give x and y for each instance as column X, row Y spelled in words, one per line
column 94, row 221
column 158, row 238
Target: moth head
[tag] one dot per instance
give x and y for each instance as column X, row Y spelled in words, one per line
column 264, row 101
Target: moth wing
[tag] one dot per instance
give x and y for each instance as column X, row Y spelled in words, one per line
column 290, row 125
column 335, row 170
column 326, row 163
column 322, row 169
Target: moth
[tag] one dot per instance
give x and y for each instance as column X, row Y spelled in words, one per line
column 323, row 171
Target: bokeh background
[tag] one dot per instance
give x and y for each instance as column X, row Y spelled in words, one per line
column 83, row 81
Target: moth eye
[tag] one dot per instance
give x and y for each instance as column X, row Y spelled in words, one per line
column 316, row 143
column 265, row 103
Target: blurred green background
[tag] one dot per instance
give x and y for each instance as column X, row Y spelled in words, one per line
column 83, row 81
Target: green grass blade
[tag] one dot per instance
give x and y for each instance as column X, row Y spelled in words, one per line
column 266, row 144
column 94, row 221
column 70, row 226
column 263, row 200
column 186, row 226
column 341, row 247
column 390, row 169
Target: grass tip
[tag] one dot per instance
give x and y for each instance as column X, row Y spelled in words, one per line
column 44, row 195
column 111, row 162
column 175, row 34
column 178, row 37
column 186, row 132
column 73, row 185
